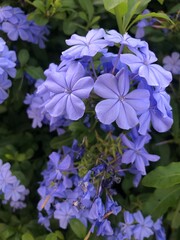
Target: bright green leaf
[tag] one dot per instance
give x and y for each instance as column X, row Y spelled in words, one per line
column 39, row 5
column 134, row 8
column 27, row 236
column 110, row 5
column 161, row 1
column 160, row 201
column 78, row 228
column 163, row 176
column 51, row 236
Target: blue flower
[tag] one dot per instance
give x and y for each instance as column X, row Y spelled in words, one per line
column 14, row 191
column 127, row 227
column 64, row 212
column 141, row 64
column 67, row 91
column 137, row 154
column 172, row 63
column 143, row 228
column 89, row 45
column 115, row 37
column 119, row 106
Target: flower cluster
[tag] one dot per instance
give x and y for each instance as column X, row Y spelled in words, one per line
column 13, row 21
column 127, row 91
column 36, row 113
column 10, row 186
column 135, row 226
column 131, row 84
column 66, row 195
column 7, row 68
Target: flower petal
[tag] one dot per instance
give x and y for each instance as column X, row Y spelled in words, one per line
column 107, row 111
column 74, row 108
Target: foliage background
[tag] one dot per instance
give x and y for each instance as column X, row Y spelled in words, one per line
column 27, row 149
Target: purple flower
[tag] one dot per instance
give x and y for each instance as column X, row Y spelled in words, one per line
column 64, row 212
column 141, row 64
column 4, row 85
column 172, row 63
column 159, row 230
column 143, row 228
column 115, row 37
column 89, row 45
column 119, row 106
column 5, row 13
column 127, row 227
column 137, row 154
column 14, row 191
column 67, row 91
column 15, row 30
column 6, row 176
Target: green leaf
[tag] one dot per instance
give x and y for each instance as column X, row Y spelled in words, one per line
column 57, row 235
column 38, row 17
column 35, row 72
column 176, row 218
column 23, row 57
column 78, row 228
column 160, row 201
column 27, row 236
column 174, row 9
column 87, row 6
column 134, row 8
column 110, row 5
column 39, row 5
column 161, row 1
column 163, row 176
column 150, row 15
column 62, row 140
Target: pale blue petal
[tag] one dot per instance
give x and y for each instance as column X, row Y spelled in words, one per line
column 127, row 117
column 107, row 111
column 74, row 73
column 83, row 87
column 123, row 82
column 138, row 99
column 74, row 108
column 56, row 106
column 106, row 86
column 128, row 157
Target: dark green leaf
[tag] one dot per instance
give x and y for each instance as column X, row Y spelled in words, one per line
column 23, row 57
column 163, row 176
column 160, row 201
column 87, row 6
column 176, row 218
column 35, row 72
column 78, row 228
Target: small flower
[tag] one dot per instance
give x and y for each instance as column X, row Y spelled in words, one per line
column 137, row 154
column 172, row 63
column 143, row 228
column 119, row 106
column 141, row 64
column 89, row 45
column 64, row 212
column 67, row 91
